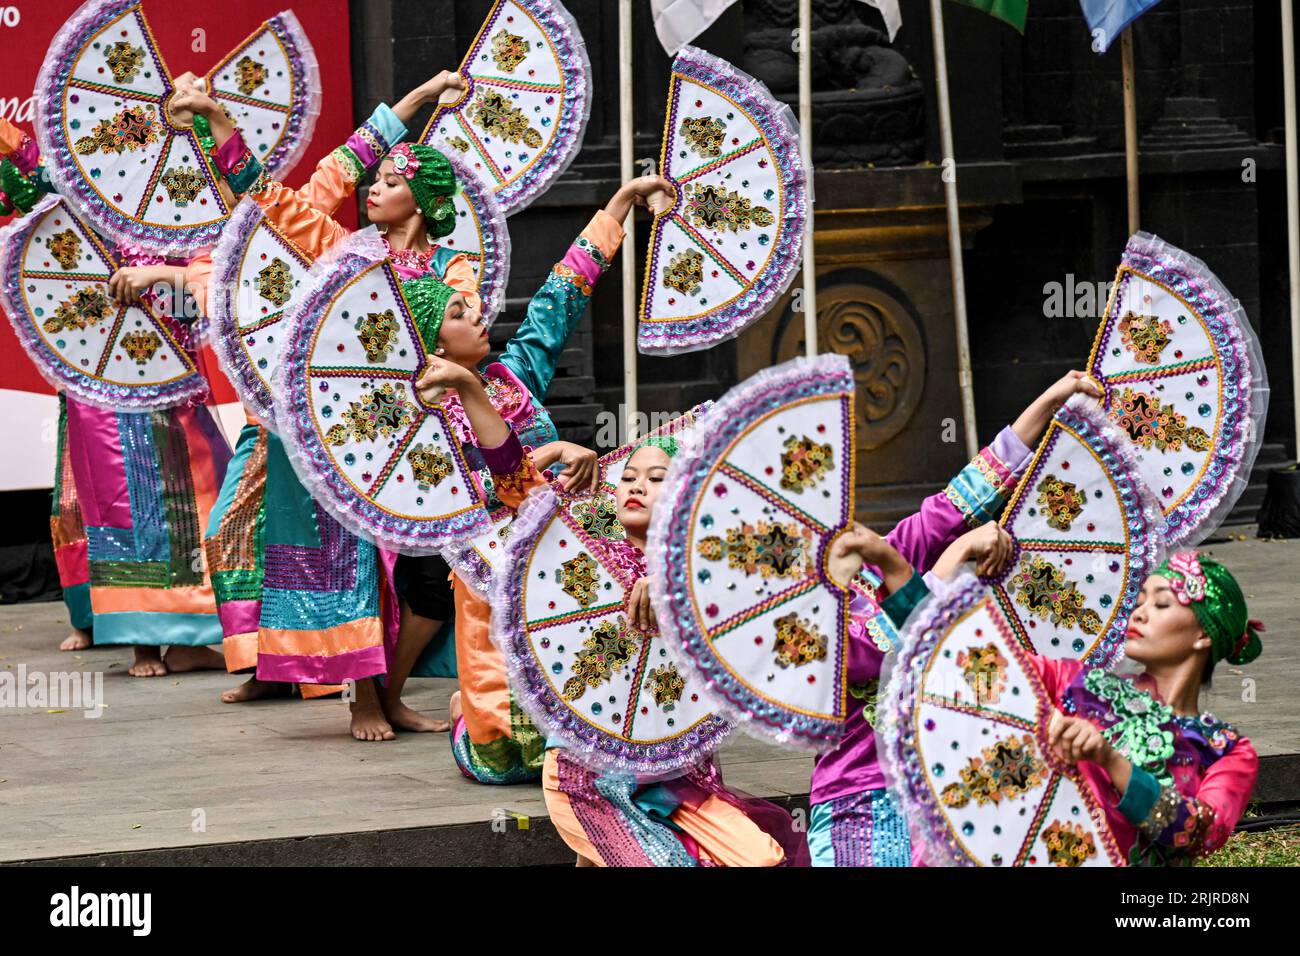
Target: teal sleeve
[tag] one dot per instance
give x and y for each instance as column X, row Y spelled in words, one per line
column 386, row 123
column 554, row 311
column 899, row 605
column 1140, row 796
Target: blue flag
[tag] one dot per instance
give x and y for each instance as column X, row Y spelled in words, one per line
column 1108, row 18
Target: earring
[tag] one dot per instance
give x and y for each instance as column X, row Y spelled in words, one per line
column 419, row 211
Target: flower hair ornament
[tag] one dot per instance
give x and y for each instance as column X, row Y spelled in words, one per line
column 1191, row 585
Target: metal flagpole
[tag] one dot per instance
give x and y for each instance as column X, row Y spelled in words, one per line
column 626, row 134
column 1130, row 130
column 805, row 140
column 965, row 379
column 1292, row 202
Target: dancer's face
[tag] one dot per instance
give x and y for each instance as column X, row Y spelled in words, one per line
column 389, row 200
column 638, row 488
column 1161, row 631
column 463, row 338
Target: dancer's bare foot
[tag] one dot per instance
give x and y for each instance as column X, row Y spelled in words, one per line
column 404, row 718
column 78, row 640
column 181, row 658
column 148, row 663
column 254, row 689
column 368, row 721
column 453, row 708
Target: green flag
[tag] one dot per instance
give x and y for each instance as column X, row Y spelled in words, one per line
column 1012, row 11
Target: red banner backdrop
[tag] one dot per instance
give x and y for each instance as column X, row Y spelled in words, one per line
column 193, row 35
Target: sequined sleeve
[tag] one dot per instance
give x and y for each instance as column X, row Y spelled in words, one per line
column 304, row 214
column 1177, row 825
column 513, row 472
column 977, row 494
column 534, row 352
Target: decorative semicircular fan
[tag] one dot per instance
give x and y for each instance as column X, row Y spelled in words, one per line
column 731, row 243
column 1185, row 380
column 610, row 692
column 521, row 121
column 963, row 738
column 386, row 465
column 738, row 551
column 258, row 275
column 1087, row 535
column 112, row 146
column 54, row 274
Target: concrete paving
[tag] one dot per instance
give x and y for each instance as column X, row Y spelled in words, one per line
column 170, row 774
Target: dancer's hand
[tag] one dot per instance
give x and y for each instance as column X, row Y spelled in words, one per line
column 445, row 87
column 1075, row 739
column 1033, row 420
column 130, row 283
column 990, row 545
column 639, row 612
column 651, row 192
column 440, row 375
column 580, row 471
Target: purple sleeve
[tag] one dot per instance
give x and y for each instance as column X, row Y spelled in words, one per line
column 977, row 494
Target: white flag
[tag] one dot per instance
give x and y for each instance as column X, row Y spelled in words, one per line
column 678, row 22
column 889, row 10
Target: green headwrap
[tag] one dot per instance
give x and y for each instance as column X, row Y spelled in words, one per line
column 428, row 298
column 665, row 443
column 23, row 194
column 1214, row 596
column 432, row 182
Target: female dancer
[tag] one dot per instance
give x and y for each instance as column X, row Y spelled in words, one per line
column 322, row 619
column 145, row 482
column 855, row 821
column 1174, row 784
column 609, row 819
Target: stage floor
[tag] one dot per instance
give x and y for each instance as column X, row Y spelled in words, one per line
column 170, row 774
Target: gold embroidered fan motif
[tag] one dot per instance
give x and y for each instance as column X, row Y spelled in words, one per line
column 66, row 248
column 798, row 641
column 609, row 647
column 377, row 332
column 1145, row 336
column 712, row 207
column 460, row 143
column 83, row 308
column 804, row 463
column 1153, row 424
column 1042, row 588
column 131, row 129
column 429, row 465
column 125, row 61
column 578, row 578
column 141, row 345
column 494, row 113
column 1008, row 769
column 249, row 75
column 704, row 134
column 1062, row 501
column 273, row 282
column 685, row 272
column 599, row 518
column 769, row 549
column 1068, row 844
column 382, row 412
column 508, row 50
column 182, row 185
column 985, row 670
column 665, row 684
